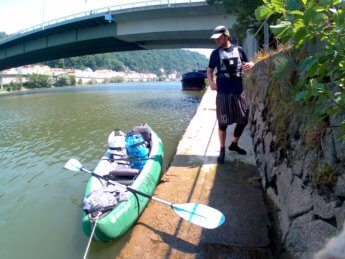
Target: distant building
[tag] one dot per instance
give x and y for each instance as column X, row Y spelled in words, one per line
column 85, row 76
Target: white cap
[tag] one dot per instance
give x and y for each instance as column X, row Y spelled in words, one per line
column 220, row 30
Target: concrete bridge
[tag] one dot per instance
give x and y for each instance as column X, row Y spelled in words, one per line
column 153, row 25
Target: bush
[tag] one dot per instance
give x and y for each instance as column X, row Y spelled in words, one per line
column 326, row 178
column 316, row 29
column 80, row 81
column 14, row 86
column 63, row 80
column 116, row 79
column 72, row 79
column 39, row 81
column 92, row 82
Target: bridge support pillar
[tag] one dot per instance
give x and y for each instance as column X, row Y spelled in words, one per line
column 250, row 45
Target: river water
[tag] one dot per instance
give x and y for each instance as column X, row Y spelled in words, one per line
column 40, row 201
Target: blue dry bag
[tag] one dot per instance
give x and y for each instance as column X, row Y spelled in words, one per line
column 136, row 150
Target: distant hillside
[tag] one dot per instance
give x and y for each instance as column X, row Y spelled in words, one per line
column 140, row 61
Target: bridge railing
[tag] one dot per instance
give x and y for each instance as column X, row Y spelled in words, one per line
column 119, row 7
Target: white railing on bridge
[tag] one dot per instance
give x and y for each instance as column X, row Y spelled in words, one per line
column 119, row 7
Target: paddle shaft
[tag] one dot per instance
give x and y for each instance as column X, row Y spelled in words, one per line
column 128, row 188
column 198, row 214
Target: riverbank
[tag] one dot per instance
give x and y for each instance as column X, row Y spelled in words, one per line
column 27, row 90
column 194, row 176
column 48, row 76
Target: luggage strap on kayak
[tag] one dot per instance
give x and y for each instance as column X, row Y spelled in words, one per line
column 138, row 144
column 103, row 200
column 129, row 158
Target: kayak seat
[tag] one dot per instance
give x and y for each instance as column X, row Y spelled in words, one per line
column 123, row 175
column 124, row 172
column 125, row 180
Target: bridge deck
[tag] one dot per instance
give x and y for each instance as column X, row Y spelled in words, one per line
column 180, row 25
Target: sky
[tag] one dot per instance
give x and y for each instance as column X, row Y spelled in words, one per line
column 16, row 15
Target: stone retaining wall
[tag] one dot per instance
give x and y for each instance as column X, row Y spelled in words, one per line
column 306, row 215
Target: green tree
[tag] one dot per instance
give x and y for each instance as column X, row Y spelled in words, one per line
column 116, row 79
column 39, row 81
column 117, row 65
column 63, row 80
column 244, row 10
column 72, row 79
column 139, row 61
column 314, row 25
column 14, row 86
column 2, row 35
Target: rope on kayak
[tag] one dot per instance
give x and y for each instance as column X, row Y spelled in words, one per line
column 91, row 236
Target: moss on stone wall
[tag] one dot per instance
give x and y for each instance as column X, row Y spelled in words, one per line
column 326, row 178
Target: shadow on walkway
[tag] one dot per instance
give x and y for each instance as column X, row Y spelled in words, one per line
column 235, row 189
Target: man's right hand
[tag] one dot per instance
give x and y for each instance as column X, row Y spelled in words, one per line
column 213, row 85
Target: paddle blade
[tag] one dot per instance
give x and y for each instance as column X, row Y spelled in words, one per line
column 73, row 164
column 200, row 214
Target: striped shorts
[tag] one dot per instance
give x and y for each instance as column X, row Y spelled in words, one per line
column 231, row 108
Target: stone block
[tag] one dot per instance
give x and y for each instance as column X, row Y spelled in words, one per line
column 273, row 198
column 297, row 238
column 297, row 159
column 300, row 200
column 308, row 235
column 258, row 148
column 335, row 247
column 261, row 167
column 301, row 255
column 340, row 217
column 323, row 209
column 284, row 180
column 271, row 173
column 340, row 186
column 320, row 232
column 270, row 161
column 297, row 167
column 310, row 163
column 338, row 144
column 267, row 141
column 328, row 147
column 284, row 223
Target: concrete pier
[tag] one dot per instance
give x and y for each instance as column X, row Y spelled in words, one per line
column 194, row 176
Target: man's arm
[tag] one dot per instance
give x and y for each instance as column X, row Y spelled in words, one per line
column 247, row 65
column 210, row 78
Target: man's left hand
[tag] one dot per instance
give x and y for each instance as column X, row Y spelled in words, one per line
column 248, row 65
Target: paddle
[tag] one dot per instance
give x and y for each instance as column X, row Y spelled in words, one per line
column 199, row 214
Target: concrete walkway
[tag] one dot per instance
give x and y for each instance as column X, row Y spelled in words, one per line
column 194, row 176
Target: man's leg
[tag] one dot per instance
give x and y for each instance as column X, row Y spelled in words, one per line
column 222, row 138
column 237, row 134
column 222, row 104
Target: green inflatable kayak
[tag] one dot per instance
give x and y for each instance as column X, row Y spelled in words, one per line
column 116, row 220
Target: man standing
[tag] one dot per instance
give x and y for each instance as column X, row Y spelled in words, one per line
column 230, row 61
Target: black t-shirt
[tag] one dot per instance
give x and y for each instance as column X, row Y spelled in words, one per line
column 224, row 84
